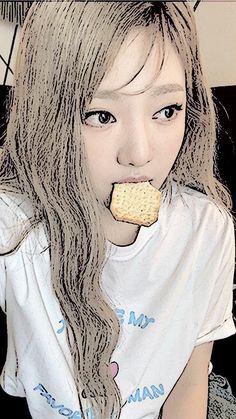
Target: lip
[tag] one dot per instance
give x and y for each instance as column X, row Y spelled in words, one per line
column 134, row 179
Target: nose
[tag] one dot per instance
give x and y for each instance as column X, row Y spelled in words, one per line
column 136, row 148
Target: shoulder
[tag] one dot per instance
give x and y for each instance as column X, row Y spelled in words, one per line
column 202, row 212
column 193, row 220
column 16, row 203
column 15, row 213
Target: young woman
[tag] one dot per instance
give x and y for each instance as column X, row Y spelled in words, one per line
column 112, row 319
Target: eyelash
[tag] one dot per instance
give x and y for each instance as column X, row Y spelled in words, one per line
column 177, row 107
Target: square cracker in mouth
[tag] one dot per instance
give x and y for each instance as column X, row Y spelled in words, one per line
column 136, row 203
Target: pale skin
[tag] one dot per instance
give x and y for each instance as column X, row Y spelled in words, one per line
column 188, row 398
column 140, row 135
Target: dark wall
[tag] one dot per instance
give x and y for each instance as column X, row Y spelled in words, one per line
column 225, row 99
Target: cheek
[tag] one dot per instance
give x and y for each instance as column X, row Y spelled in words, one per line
column 166, row 154
column 170, row 147
column 99, row 160
column 93, row 152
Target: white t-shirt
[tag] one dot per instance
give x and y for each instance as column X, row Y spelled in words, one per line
column 172, row 289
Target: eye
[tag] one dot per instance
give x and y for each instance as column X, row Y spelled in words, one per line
column 98, row 117
column 169, row 111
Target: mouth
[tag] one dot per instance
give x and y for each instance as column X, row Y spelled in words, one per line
column 131, row 179
column 134, row 179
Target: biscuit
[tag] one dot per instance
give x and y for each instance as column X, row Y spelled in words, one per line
column 136, row 203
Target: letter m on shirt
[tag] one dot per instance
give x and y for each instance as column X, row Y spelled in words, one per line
column 134, row 321
column 135, row 397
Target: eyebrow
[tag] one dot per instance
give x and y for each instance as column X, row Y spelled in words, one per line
column 155, row 91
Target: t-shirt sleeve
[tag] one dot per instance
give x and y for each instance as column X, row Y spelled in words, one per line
column 218, row 321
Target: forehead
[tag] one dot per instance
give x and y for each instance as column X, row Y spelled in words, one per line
column 129, row 61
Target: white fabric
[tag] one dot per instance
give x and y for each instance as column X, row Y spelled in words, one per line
column 172, row 289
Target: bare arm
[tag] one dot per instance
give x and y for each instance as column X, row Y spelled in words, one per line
column 188, row 398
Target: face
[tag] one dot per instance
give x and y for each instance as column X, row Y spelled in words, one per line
column 131, row 134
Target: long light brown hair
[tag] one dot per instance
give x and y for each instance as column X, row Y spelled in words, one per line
column 65, row 50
